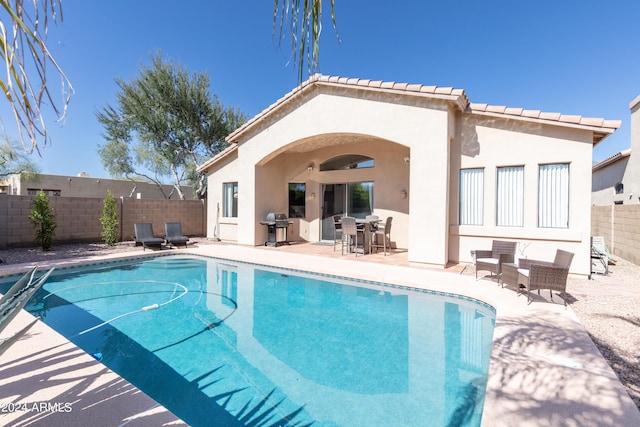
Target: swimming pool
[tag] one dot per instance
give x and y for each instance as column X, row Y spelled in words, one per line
column 237, row 343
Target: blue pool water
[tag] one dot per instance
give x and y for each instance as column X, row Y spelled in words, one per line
column 243, row 344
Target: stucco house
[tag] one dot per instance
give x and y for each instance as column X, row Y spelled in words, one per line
column 454, row 175
column 616, row 179
column 82, row 185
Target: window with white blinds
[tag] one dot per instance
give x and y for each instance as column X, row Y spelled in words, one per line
column 510, row 197
column 471, row 196
column 553, row 196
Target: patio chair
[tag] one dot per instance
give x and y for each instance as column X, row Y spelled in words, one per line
column 337, row 229
column 536, row 275
column 349, row 234
column 173, row 234
column 501, row 252
column 145, row 237
column 600, row 256
column 385, row 232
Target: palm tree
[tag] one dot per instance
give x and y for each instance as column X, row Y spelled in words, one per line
column 23, row 33
column 304, row 19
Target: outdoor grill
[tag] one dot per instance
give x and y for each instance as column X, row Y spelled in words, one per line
column 277, row 225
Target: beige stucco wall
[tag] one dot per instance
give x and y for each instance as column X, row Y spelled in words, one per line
column 81, row 186
column 603, row 183
column 491, row 143
column 623, row 168
column 218, row 226
column 417, row 128
column 438, row 138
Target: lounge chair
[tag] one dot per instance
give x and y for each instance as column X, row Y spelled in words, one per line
column 598, row 244
column 145, row 237
column 536, row 274
column 600, row 256
column 501, row 252
column 173, row 234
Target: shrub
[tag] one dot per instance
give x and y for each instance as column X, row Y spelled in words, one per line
column 43, row 219
column 110, row 220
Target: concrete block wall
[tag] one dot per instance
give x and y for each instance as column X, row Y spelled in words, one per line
column 191, row 213
column 620, row 226
column 78, row 218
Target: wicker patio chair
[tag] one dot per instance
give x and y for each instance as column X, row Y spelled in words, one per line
column 536, row 275
column 349, row 234
column 337, row 229
column 501, row 252
column 385, row 233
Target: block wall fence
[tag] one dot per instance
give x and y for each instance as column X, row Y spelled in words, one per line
column 620, row 226
column 78, row 218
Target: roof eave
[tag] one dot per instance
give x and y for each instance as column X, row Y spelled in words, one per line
column 599, row 132
column 456, row 97
column 203, row 168
column 612, row 159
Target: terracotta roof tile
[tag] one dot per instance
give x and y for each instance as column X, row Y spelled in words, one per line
column 612, row 159
column 531, row 113
column 513, row 111
column 496, row 108
column 550, row 116
column 444, row 90
column 570, row 119
column 458, row 96
column 592, row 121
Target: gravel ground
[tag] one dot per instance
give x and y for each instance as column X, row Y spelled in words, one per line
column 607, row 306
column 609, row 309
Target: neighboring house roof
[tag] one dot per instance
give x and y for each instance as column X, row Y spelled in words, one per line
column 601, row 128
column 612, row 159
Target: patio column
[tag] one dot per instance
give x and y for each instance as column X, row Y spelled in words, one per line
column 429, row 196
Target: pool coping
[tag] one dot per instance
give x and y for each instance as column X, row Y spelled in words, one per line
column 544, row 368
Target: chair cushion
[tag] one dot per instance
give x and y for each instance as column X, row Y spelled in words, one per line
column 524, row 272
column 488, row 260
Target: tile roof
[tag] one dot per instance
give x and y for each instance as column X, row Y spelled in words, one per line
column 601, row 127
column 549, row 117
column 611, row 159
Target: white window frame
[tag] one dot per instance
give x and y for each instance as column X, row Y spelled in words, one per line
column 553, row 195
column 510, row 196
column 230, row 199
column 471, row 199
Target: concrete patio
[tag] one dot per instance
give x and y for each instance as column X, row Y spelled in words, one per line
column 544, row 371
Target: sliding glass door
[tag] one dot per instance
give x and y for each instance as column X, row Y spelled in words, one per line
column 354, row 199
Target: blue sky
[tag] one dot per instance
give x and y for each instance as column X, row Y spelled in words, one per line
column 572, row 57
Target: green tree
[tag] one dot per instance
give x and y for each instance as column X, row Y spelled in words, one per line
column 26, row 63
column 302, row 22
column 110, row 220
column 167, row 123
column 14, row 160
column 43, row 219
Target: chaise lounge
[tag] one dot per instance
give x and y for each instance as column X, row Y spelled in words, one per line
column 173, row 234
column 145, row 237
